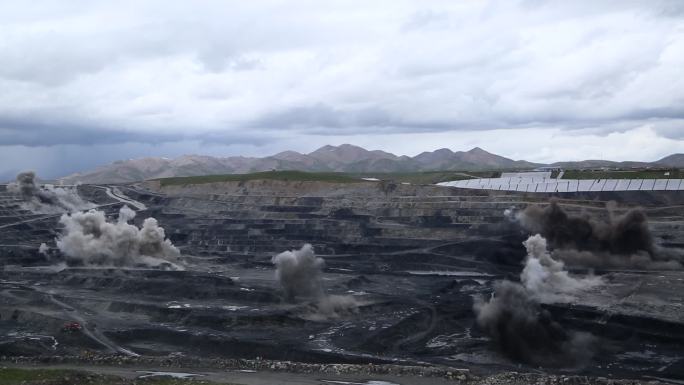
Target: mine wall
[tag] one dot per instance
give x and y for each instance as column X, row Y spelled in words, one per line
column 413, row 258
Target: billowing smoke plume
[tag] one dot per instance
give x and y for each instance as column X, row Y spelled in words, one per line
column 46, row 199
column 617, row 241
column 546, row 278
column 525, row 332
column 300, row 274
column 88, row 238
column 44, row 249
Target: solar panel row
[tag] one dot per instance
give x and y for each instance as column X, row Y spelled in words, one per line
column 561, row 185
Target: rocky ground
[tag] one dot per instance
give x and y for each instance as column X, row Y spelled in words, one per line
column 410, row 257
column 96, row 369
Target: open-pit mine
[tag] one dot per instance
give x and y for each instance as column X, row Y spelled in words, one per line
column 469, row 282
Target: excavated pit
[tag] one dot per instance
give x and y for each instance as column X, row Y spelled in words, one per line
column 413, row 259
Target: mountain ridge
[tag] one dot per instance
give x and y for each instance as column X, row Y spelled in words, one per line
column 342, row 158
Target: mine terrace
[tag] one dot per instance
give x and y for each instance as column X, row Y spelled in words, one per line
column 397, row 275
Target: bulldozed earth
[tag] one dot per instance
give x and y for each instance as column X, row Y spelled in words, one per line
column 411, row 258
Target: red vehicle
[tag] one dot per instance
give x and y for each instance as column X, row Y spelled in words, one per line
column 71, row 327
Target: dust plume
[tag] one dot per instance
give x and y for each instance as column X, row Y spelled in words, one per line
column 525, row 332
column 546, row 278
column 89, row 239
column 47, row 199
column 616, row 241
column 299, row 272
column 515, row 320
column 44, row 249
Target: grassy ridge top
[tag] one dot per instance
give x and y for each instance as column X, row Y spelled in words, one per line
column 298, row 176
column 624, row 174
column 423, row 177
column 428, row 177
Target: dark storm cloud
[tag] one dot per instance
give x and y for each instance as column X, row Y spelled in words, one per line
column 326, row 120
column 322, row 119
column 31, row 132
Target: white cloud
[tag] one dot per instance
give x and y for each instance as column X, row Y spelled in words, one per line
column 136, row 69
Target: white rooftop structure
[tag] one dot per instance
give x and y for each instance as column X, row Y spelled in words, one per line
column 542, row 182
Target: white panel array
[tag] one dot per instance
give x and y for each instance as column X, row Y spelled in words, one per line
column 585, row 184
column 622, row 185
column 660, row 184
column 598, row 185
column 636, row 184
column 646, row 185
column 673, row 184
column 567, row 185
column 610, row 185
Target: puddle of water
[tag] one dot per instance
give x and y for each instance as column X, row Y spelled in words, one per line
column 371, row 382
column 234, row 308
column 176, row 305
column 444, row 340
column 449, row 273
column 148, row 374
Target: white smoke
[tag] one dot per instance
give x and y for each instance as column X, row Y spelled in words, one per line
column 546, row 278
column 300, row 274
column 47, row 199
column 88, row 238
column 511, row 214
column 521, row 327
column 44, row 249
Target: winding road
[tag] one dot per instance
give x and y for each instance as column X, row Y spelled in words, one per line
column 114, row 192
column 89, row 329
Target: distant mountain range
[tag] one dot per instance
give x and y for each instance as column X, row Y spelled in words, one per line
column 343, row 158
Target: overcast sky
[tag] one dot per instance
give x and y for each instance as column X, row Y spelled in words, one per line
column 86, row 83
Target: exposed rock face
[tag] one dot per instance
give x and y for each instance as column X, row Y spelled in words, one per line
column 412, row 257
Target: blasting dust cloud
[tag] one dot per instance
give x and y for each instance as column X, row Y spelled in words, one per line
column 599, row 241
column 90, row 239
column 46, row 199
column 525, row 332
column 514, row 319
column 300, row 273
column 546, row 278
